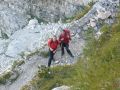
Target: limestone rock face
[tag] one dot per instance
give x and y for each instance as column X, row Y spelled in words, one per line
column 12, row 16
column 3, row 46
column 53, row 10
column 15, row 14
column 5, row 63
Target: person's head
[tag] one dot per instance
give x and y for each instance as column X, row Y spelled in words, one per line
column 54, row 38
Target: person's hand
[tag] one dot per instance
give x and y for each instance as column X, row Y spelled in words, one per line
column 54, row 51
column 51, row 49
column 62, row 39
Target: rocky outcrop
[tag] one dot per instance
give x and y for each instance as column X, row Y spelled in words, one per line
column 54, row 10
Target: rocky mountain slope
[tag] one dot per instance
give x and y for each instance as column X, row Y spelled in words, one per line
column 17, row 26
column 21, row 35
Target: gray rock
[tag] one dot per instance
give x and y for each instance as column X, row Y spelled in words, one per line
column 3, row 46
column 62, row 88
column 5, row 63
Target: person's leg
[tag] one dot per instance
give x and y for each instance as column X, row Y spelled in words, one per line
column 68, row 50
column 50, row 58
column 62, row 49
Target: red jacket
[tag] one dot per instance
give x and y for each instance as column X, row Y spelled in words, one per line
column 53, row 44
column 65, row 37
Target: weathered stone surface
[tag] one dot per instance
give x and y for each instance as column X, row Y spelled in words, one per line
column 56, row 9
column 3, row 46
column 5, row 63
column 12, row 17
column 62, row 88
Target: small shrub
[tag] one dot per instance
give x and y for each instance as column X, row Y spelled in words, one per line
column 5, row 77
column 78, row 15
column 17, row 63
column 4, row 35
column 44, row 54
column 26, row 87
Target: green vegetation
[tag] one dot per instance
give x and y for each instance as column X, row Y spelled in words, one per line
column 17, row 63
column 81, row 14
column 26, row 87
column 44, row 54
column 78, row 15
column 39, row 52
column 88, row 34
column 4, row 77
column 4, row 35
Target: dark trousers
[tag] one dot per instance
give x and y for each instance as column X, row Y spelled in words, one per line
column 66, row 46
column 51, row 57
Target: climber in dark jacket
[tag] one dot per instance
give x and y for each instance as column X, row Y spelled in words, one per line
column 52, row 44
column 64, row 40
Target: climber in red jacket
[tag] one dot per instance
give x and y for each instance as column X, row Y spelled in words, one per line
column 64, row 40
column 52, row 44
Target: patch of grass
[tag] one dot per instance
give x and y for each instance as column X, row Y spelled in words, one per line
column 44, row 54
column 78, row 15
column 27, row 55
column 4, row 77
column 81, row 14
column 17, row 63
column 4, row 35
column 26, row 87
column 88, row 34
